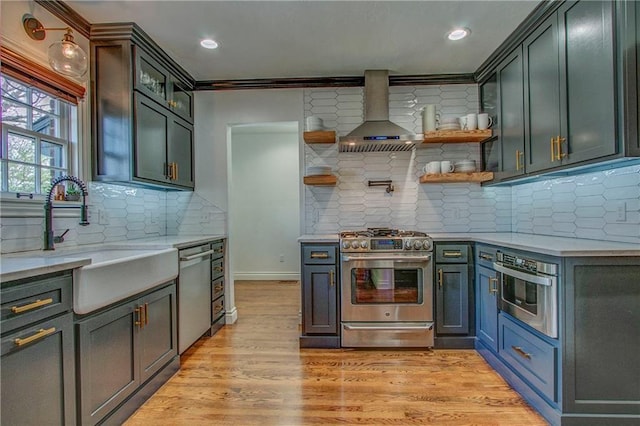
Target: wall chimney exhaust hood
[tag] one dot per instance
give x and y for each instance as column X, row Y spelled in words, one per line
column 377, row 133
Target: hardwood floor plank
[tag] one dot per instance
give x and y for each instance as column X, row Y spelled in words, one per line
column 253, row 373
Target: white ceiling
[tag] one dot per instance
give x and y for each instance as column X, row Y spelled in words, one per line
column 283, row 39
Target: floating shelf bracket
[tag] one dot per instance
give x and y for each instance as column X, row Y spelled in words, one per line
column 387, row 183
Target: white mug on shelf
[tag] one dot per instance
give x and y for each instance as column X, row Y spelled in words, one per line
column 484, row 121
column 432, row 167
column 472, row 122
column 446, row 167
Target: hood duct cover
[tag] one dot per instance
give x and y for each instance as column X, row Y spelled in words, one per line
column 377, row 133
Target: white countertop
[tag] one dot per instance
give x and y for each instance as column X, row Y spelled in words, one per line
column 553, row 246
column 15, row 266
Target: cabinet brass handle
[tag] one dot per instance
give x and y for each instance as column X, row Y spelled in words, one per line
column 517, row 159
column 452, row 253
column 332, row 280
column 167, row 170
column 146, row 314
column 553, row 150
column 175, row 169
column 493, row 289
column 486, row 256
column 520, row 352
column 319, row 255
column 440, row 278
column 24, row 308
column 39, row 335
column 220, row 250
column 218, row 287
column 218, row 268
column 138, row 321
column 218, row 308
column 560, row 154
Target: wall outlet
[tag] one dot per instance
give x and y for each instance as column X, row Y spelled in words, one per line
column 282, row 258
column 622, row 212
column 155, row 218
column 205, row 217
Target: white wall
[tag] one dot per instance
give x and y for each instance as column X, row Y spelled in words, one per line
column 215, row 113
column 264, row 202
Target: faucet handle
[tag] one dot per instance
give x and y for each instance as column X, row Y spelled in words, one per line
column 60, row 238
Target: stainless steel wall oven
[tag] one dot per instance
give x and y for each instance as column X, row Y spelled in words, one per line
column 386, row 289
column 529, row 291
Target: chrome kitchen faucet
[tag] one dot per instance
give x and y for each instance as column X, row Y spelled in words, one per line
column 49, row 239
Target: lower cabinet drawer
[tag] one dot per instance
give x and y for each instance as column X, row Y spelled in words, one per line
column 530, row 356
column 217, row 288
column 217, row 309
column 217, row 268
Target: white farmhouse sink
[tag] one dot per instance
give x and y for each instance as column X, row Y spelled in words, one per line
column 115, row 274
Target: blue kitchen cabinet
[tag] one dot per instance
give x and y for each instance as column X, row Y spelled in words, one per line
column 125, row 353
column 486, row 298
column 37, row 383
column 320, row 290
column 454, row 307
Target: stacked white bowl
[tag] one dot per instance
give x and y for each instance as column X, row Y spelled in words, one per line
column 449, row 123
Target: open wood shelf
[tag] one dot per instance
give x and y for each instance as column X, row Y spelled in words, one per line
column 457, row 177
column 457, row 136
column 320, row 136
column 321, row 180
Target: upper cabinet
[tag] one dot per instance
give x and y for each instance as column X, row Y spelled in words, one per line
column 142, row 111
column 567, row 95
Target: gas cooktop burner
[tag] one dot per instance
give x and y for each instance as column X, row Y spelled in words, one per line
column 381, row 232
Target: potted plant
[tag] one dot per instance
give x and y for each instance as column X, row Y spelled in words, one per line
column 73, row 193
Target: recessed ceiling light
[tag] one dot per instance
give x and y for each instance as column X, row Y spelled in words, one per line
column 458, row 33
column 207, row 43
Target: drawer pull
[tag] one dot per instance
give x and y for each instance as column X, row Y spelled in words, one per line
column 485, row 256
column 146, row 314
column 24, row 308
column 218, row 309
column 39, row 335
column 332, row 279
column 520, row 352
column 218, row 268
column 138, row 321
column 452, row 253
column 440, row 278
column 319, row 255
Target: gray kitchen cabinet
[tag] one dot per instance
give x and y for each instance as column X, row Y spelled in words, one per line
column 542, row 95
column 490, row 149
column 164, row 144
column 320, row 290
column 580, row 91
column 37, row 378
column 486, row 298
column 142, row 111
column 510, row 122
column 453, row 296
column 120, row 349
column 570, row 95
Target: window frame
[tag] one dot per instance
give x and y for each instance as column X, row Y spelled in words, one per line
column 66, row 138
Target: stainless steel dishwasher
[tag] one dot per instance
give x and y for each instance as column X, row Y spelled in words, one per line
column 194, row 294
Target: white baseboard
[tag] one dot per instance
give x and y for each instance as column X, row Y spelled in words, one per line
column 231, row 316
column 266, row 276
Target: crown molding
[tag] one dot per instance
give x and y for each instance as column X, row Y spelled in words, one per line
column 62, row 11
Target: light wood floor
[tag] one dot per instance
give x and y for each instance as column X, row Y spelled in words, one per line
column 253, row 373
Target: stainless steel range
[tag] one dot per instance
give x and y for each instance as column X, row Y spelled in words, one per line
column 387, row 286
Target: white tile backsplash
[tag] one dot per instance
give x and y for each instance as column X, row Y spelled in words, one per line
column 118, row 213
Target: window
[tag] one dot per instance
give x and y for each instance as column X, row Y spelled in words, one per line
column 37, row 137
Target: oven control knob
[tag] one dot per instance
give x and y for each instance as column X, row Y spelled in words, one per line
column 364, row 244
column 407, row 245
column 355, row 245
column 426, row 245
column 346, row 244
column 417, row 244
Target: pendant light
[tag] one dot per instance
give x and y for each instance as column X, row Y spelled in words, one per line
column 65, row 56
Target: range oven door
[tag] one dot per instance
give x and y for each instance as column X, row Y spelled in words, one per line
column 386, row 300
column 531, row 298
